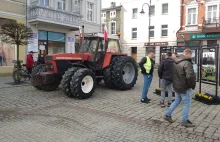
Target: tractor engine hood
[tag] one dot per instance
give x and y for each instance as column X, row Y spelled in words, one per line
column 69, row 56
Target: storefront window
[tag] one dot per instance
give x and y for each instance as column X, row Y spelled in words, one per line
column 7, row 51
column 54, row 41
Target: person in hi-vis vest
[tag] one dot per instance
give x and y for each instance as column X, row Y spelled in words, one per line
column 147, row 68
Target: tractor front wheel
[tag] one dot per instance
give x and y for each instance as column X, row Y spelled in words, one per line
column 124, row 73
column 82, row 84
column 65, row 83
column 37, row 70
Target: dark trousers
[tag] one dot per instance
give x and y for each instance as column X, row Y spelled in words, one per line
column 29, row 70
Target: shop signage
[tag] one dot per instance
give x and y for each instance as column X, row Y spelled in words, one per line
column 156, row 44
column 204, row 36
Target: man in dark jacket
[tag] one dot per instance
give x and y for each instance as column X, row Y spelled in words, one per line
column 184, row 81
column 165, row 72
column 147, row 69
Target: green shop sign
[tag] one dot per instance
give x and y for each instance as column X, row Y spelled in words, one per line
column 204, row 36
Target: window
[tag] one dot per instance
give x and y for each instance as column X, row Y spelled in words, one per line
column 103, row 15
column 76, row 6
column 44, row 2
column 211, row 42
column 152, row 10
column 89, row 11
column 165, row 8
column 164, row 31
column 113, row 14
column 61, row 4
column 134, row 33
column 212, row 13
column 192, row 16
column 134, row 13
column 113, row 28
column 151, row 31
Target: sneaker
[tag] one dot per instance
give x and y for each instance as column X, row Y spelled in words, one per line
column 168, row 118
column 162, row 104
column 169, row 104
column 187, row 124
column 145, row 100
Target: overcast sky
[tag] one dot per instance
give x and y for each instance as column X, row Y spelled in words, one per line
column 107, row 3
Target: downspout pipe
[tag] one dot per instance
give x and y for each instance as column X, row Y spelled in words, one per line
column 181, row 18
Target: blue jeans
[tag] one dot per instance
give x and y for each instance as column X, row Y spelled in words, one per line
column 186, row 98
column 147, row 82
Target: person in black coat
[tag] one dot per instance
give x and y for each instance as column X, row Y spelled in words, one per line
column 165, row 72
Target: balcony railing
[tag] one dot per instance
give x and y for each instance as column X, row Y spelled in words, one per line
column 57, row 16
column 211, row 21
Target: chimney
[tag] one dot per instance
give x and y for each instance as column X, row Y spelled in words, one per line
column 113, row 4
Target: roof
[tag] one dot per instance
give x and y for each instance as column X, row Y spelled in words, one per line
column 112, row 8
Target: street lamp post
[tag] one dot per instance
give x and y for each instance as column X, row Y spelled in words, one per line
column 142, row 12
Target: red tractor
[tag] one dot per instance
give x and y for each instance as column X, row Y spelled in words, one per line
column 78, row 73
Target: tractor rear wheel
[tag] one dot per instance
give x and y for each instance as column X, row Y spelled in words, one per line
column 107, row 73
column 36, row 70
column 124, row 73
column 82, row 84
column 65, row 83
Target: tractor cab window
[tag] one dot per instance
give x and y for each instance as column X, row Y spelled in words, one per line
column 113, row 46
column 90, row 45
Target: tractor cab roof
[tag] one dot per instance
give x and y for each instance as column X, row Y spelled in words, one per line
column 100, row 35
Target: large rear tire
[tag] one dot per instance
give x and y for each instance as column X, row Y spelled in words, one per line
column 36, row 70
column 107, row 73
column 124, row 73
column 65, row 83
column 82, row 84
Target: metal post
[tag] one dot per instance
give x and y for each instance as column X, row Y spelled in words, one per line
column 149, row 23
column 200, row 70
column 216, row 70
column 82, row 43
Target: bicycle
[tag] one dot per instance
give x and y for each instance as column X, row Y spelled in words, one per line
column 20, row 72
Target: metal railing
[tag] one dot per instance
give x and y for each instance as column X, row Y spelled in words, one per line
column 209, row 21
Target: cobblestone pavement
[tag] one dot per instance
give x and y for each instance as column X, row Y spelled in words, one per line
column 27, row 114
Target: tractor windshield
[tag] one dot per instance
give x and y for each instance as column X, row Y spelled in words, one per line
column 89, row 45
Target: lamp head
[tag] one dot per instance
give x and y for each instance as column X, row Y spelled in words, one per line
column 142, row 12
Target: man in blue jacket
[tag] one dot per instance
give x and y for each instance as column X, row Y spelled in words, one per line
column 147, row 68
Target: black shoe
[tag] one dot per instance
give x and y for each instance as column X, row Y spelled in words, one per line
column 188, row 124
column 169, row 104
column 145, row 100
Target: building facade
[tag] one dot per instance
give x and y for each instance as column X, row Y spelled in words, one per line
column 165, row 22
column 200, row 23
column 56, row 22
column 111, row 18
column 12, row 11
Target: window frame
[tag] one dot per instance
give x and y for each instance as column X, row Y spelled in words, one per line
column 63, row 4
column 114, row 29
column 167, row 8
column 133, row 17
column 113, row 14
column 132, row 31
column 152, row 30
column 187, row 15
column 44, row 3
column 217, row 12
column 150, row 10
column 90, row 10
column 164, row 29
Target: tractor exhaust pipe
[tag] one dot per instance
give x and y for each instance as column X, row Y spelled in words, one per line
column 82, row 43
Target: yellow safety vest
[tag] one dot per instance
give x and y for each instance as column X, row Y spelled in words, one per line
column 147, row 65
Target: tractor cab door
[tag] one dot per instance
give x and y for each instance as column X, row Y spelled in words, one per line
column 100, row 54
